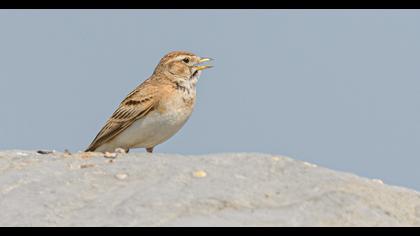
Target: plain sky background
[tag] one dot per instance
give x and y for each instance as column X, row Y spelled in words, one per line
column 339, row 88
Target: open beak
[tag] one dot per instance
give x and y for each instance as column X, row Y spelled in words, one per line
column 205, row 66
column 206, row 59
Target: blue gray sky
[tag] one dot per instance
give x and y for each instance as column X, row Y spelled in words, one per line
column 339, row 88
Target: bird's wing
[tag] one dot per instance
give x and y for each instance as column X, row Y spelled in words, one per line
column 136, row 105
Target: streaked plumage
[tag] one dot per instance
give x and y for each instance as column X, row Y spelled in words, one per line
column 156, row 109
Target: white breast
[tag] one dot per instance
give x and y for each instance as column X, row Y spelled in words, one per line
column 152, row 130
column 155, row 128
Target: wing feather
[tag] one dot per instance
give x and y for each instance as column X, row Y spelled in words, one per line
column 136, row 105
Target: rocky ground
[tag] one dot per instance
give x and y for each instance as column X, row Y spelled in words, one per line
column 232, row 189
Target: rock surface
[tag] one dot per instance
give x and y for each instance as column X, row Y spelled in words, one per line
column 235, row 189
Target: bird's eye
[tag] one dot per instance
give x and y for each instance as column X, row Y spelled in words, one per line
column 186, row 60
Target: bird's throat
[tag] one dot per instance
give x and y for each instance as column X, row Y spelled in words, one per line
column 186, row 87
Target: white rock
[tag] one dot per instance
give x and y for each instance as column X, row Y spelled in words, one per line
column 243, row 189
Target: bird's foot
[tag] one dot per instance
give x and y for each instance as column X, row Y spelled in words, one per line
column 150, row 149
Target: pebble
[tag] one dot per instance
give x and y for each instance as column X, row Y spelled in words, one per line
column 378, row 181
column 110, row 155
column 86, row 165
column 44, row 152
column 309, row 164
column 121, row 176
column 200, row 174
column 86, row 155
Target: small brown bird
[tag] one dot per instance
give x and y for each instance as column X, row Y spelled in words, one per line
column 155, row 110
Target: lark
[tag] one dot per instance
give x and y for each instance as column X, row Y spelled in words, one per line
column 156, row 109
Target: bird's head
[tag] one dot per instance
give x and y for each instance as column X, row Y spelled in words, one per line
column 181, row 65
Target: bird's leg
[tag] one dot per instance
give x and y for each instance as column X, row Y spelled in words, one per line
column 149, row 149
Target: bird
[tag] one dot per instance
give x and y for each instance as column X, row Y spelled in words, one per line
column 156, row 109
